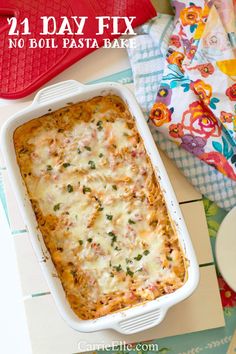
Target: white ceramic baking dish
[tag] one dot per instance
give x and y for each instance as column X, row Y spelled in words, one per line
column 128, row 321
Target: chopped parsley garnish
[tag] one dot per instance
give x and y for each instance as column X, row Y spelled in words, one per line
column 112, row 275
column 129, row 272
column 139, row 270
column 56, row 207
column 81, row 242
column 117, row 248
column 138, row 257
column 113, row 237
column 99, row 125
column 114, row 187
column 128, row 261
column 100, row 209
column 79, row 151
column 92, row 165
column 66, row 164
column 130, row 221
column 113, row 240
column 146, row 252
column 69, row 188
column 86, row 189
column 100, row 155
column 49, row 168
column 90, row 240
column 118, row 268
column 109, row 217
column 169, row 258
column 88, row 148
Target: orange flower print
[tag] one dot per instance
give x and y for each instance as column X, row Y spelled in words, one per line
column 176, row 58
column 160, row 114
column 206, row 69
column 191, row 15
column 226, row 117
column 218, row 161
column 199, row 120
column 203, row 90
column 231, row 92
column 176, row 130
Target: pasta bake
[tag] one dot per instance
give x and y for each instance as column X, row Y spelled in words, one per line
column 99, row 206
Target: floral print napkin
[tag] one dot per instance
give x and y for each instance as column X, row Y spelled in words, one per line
column 196, row 103
column 147, row 64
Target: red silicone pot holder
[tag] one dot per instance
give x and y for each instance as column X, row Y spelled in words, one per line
column 23, row 70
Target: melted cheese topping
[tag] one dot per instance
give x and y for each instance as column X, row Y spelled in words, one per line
column 99, row 206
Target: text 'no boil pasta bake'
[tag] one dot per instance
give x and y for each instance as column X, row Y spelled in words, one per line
column 99, row 206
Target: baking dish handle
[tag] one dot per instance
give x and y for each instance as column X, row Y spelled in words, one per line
column 141, row 322
column 58, row 91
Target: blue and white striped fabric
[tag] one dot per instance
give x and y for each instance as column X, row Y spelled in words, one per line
column 147, row 62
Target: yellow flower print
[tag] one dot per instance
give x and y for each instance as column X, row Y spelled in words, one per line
column 176, row 58
column 191, row 15
column 160, row 114
column 203, row 90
